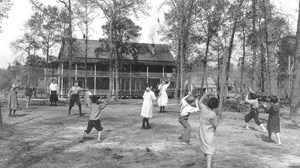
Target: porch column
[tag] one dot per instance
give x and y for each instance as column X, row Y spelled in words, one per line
column 95, row 75
column 76, row 72
column 163, row 71
column 147, row 73
column 130, row 69
column 62, row 79
column 58, row 79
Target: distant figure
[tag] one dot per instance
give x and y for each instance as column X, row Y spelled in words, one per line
column 13, row 99
column 208, row 125
column 147, row 107
column 273, row 120
column 252, row 99
column 53, row 92
column 74, row 97
column 94, row 120
column 28, row 94
column 87, row 95
column 163, row 96
column 185, row 110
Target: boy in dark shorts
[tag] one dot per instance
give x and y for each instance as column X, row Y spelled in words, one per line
column 94, row 120
column 252, row 99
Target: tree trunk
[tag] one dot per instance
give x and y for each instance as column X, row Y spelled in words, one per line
column 295, row 97
column 70, row 47
column 254, row 47
column 178, row 71
column 223, row 80
column 243, row 61
column 219, row 70
column 270, row 45
column 205, row 61
column 117, row 76
column 231, row 44
column 1, row 122
column 110, row 60
column 86, row 51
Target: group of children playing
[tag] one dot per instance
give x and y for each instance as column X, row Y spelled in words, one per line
column 208, row 121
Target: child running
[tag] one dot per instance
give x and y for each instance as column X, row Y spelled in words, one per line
column 94, row 120
column 252, row 99
column 273, row 120
column 147, row 107
column 208, row 124
column 185, row 110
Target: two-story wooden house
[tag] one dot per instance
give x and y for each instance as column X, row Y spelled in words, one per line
column 151, row 63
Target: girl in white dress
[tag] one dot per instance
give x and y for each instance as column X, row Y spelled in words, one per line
column 147, row 107
column 163, row 97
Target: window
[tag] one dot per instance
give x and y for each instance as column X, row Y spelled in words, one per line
column 138, row 86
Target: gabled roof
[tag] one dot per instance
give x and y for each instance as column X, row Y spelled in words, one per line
column 145, row 52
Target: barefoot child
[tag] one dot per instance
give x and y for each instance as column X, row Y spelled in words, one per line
column 208, row 124
column 147, row 107
column 273, row 120
column 185, row 111
column 94, row 120
column 252, row 99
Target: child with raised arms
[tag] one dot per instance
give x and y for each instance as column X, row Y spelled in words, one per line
column 185, row 110
column 252, row 99
column 208, row 125
column 147, row 107
column 94, row 120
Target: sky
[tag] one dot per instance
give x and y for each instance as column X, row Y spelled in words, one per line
column 13, row 26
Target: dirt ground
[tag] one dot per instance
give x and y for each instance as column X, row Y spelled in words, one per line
column 44, row 136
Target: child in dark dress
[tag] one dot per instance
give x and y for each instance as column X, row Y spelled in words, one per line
column 273, row 120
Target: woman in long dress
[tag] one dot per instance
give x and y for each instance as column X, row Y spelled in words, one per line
column 53, row 92
column 163, row 96
column 147, row 107
column 13, row 100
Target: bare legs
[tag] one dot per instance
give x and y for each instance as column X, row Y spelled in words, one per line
column 208, row 161
column 84, row 134
column 277, row 136
column 12, row 112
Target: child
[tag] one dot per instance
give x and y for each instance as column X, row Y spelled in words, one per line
column 87, row 95
column 252, row 99
column 185, row 111
column 147, row 107
column 13, row 99
column 94, row 120
column 163, row 96
column 208, row 124
column 273, row 120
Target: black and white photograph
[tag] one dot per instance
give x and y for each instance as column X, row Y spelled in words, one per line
column 150, row 83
